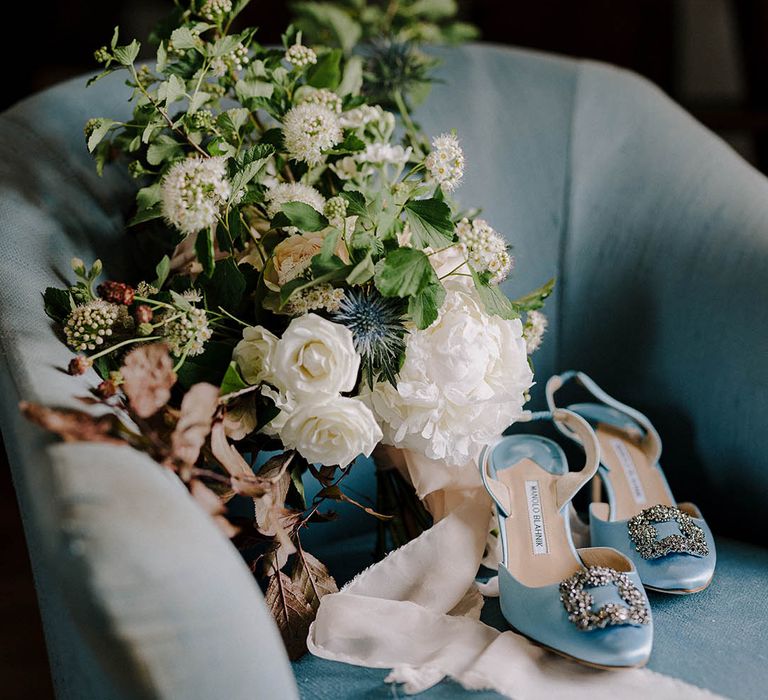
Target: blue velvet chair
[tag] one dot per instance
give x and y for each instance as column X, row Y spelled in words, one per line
column 658, row 234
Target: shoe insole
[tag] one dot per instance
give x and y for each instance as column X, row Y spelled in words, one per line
column 635, row 481
column 539, row 551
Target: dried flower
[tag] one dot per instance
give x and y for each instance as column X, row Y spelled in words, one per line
column 308, row 130
column 89, row 325
column 446, row 161
column 116, row 292
column 193, row 192
column 148, row 376
column 143, row 314
column 106, row 389
column 79, row 365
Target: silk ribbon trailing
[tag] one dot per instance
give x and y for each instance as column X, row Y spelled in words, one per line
column 417, row 611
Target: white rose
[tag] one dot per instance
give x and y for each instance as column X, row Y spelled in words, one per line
column 331, row 432
column 463, row 382
column 314, row 358
column 254, row 354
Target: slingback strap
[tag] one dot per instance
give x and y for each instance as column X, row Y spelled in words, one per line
column 567, row 485
column 651, row 442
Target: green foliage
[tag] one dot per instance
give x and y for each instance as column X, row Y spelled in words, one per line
column 405, row 272
column 430, row 222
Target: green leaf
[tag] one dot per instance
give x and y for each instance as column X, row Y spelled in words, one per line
column 172, row 90
column 162, row 271
column 183, row 38
column 164, row 148
column 344, row 30
column 249, row 163
column 535, row 299
column 300, row 215
column 404, row 272
column 143, row 215
column 494, row 300
column 355, row 203
column 362, row 272
column 148, row 205
column 99, row 133
column 430, row 222
column 350, row 144
column 210, row 367
column 248, row 89
column 58, row 303
column 204, row 250
column 326, row 73
column 126, row 55
column 424, row 308
column 326, row 261
column 432, row 9
column 232, row 380
column 162, row 58
column 352, row 81
column 226, row 287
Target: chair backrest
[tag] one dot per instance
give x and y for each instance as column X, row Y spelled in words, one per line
column 656, row 231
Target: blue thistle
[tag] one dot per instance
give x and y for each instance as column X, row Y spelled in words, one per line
column 378, row 332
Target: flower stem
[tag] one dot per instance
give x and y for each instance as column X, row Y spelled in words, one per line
column 112, row 348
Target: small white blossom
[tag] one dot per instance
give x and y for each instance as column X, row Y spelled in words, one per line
column 385, row 153
column 345, row 168
column 535, row 326
column 212, row 10
column 292, row 192
column 88, row 325
column 321, row 296
column 193, row 192
column 300, row 56
column 446, row 161
column 485, row 249
column 192, row 295
column 145, row 289
column 188, row 333
column 322, row 97
column 308, row 130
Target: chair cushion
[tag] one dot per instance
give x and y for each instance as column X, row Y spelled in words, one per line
column 715, row 639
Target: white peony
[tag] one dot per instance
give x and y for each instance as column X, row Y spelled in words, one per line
column 464, row 381
column 331, row 432
column 315, row 358
column 254, row 354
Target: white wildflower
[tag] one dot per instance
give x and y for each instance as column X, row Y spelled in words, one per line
column 385, row 153
column 446, row 161
column 322, row 97
column 212, row 10
column 321, row 296
column 486, row 250
column 535, row 326
column 308, row 130
column 145, row 289
column 345, row 168
column 193, row 193
column 89, row 325
column 188, row 333
column 192, row 295
column 300, row 56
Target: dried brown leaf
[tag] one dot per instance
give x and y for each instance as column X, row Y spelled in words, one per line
column 292, row 613
column 72, row 425
column 212, row 505
column 312, row 578
column 148, row 376
column 226, row 453
column 195, row 417
column 336, row 494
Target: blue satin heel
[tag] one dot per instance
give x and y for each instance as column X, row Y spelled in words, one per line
column 586, row 604
column 669, row 543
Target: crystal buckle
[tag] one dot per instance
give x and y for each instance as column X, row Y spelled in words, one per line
column 643, row 534
column 578, row 602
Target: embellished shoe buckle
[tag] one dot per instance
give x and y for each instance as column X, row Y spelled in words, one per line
column 578, row 602
column 643, row 534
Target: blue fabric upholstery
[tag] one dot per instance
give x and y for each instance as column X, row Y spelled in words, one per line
column 658, row 233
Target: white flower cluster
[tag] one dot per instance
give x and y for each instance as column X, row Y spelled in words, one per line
column 235, row 60
column 320, row 296
column 88, row 325
column 188, row 333
column 193, row 193
column 284, row 192
column 300, row 56
column 486, row 250
column 212, row 10
column 322, row 97
column 310, row 367
column 308, row 130
column 385, row 154
column 446, row 161
column 369, row 115
column 535, row 326
column 464, row 381
column 335, row 210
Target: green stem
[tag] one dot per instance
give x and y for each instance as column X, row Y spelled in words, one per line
column 112, row 348
column 410, row 127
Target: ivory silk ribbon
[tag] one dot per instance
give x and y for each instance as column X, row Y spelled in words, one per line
column 417, row 611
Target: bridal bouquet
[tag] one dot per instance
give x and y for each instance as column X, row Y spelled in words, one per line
column 306, row 287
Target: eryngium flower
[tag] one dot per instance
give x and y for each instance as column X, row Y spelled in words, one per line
column 535, row 326
column 446, row 161
column 378, row 332
column 310, row 129
column 486, row 250
column 89, row 325
column 193, row 193
column 188, row 333
column 395, row 67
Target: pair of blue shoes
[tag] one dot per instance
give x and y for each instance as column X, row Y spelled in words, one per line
column 590, row 604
